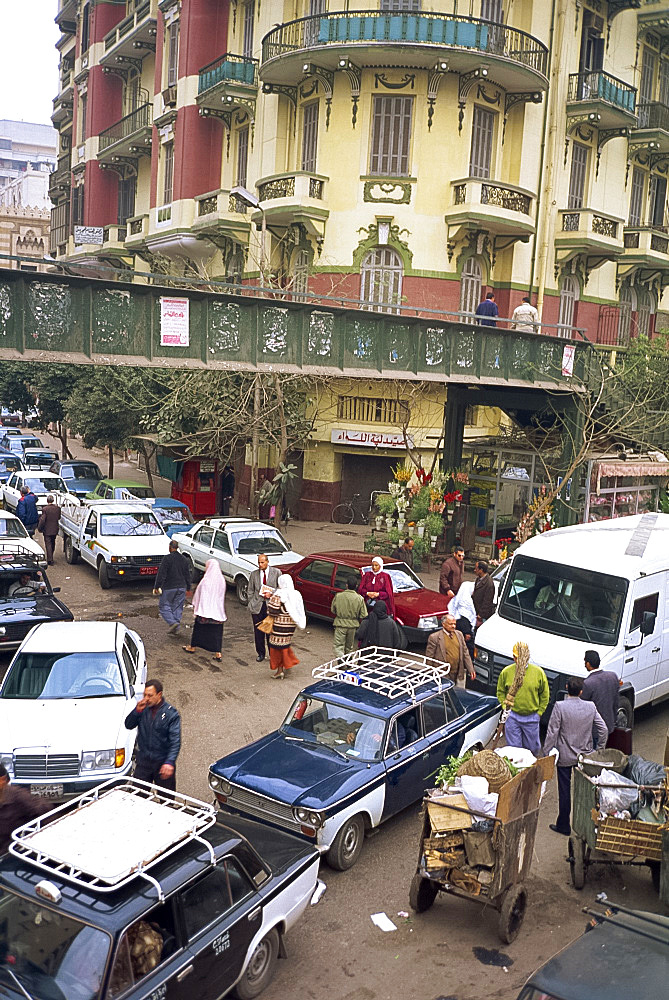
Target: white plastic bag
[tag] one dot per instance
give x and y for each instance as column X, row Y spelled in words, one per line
column 479, row 799
column 613, row 800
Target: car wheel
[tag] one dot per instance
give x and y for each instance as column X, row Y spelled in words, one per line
column 71, row 554
column 347, row 845
column 103, row 575
column 242, row 585
column 422, row 893
column 512, row 913
column 260, row 970
column 625, row 718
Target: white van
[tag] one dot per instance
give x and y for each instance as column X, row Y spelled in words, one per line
column 602, row 586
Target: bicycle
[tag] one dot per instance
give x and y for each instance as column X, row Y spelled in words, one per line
column 347, row 511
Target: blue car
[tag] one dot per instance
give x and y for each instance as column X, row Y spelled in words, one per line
column 80, row 475
column 356, row 747
column 174, row 516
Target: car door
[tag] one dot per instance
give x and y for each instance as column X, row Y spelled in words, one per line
column 221, row 913
column 643, row 653
column 89, row 540
column 342, row 575
column 314, row 582
column 159, row 933
column 443, row 733
column 202, row 545
column 221, row 552
column 407, row 761
column 10, row 493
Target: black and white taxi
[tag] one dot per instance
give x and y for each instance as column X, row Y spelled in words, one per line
column 135, row 894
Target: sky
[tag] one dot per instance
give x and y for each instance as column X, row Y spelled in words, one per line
column 28, row 60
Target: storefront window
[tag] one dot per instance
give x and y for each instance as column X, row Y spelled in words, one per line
column 620, row 496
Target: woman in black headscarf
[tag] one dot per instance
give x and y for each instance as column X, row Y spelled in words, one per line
column 379, row 629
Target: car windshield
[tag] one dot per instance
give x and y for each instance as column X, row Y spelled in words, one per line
column 20, row 583
column 173, row 515
column 31, row 443
column 253, row 541
column 49, row 953
column 346, row 730
column 83, row 471
column 63, row 675
column 402, row 577
column 141, row 492
column 9, row 463
column 45, row 484
column 11, row 527
column 563, row 600
column 41, row 456
column 136, row 523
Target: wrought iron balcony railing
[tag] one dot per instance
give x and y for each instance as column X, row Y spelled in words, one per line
column 138, row 119
column 413, row 28
column 228, row 69
column 600, row 86
column 653, row 114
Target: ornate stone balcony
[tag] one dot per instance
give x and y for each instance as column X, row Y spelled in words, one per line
column 609, row 99
column 134, row 37
column 296, row 197
column 66, row 18
column 585, row 230
column 60, row 178
column 516, row 61
column 646, row 246
column 137, row 229
column 220, row 216
column 485, row 204
column 129, row 137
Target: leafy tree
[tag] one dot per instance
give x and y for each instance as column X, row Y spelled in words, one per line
column 53, row 385
column 100, row 416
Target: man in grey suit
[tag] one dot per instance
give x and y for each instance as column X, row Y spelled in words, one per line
column 265, row 576
column 448, row 645
column 603, row 688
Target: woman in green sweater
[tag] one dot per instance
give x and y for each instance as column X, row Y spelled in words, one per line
column 523, row 693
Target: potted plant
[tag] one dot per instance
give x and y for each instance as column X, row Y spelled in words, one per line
column 385, row 504
column 420, row 527
column 435, row 526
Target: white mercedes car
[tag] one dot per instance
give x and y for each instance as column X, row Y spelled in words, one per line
column 63, row 705
column 235, row 542
column 40, row 483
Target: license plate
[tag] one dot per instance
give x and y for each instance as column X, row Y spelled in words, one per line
column 148, row 570
column 47, row 791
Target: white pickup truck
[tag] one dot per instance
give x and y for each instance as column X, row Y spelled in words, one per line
column 122, row 540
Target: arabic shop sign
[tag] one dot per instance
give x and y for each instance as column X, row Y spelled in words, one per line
column 368, row 439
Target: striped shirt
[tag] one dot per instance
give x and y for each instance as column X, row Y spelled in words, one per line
column 283, row 626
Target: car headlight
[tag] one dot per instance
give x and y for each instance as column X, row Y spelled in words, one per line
column 219, row 784
column 481, row 655
column 93, row 760
column 8, row 760
column 430, row 622
column 308, row 817
column 116, row 559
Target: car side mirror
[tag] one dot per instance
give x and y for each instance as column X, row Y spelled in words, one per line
column 55, row 590
column 647, row 626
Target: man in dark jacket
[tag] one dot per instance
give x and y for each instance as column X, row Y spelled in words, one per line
column 158, row 726
column 488, row 309
column 48, row 525
column 26, row 510
column 483, row 596
column 603, row 688
column 173, row 579
column 404, row 552
column 17, row 806
column 452, row 569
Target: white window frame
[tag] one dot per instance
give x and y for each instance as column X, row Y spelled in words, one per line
column 471, row 283
column 381, row 274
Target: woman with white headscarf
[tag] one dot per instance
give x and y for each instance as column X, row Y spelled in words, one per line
column 377, row 585
column 286, row 609
column 209, row 610
column 462, row 608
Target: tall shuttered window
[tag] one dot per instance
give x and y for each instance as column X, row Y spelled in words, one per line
column 83, row 111
column 399, row 5
column 242, row 156
column 658, row 198
column 381, row 279
column 173, row 54
column 579, row 167
column 636, row 197
column 77, row 217
column 391, row 136
column 310, row 136
column 568, row 298
column 483, row 131
column 492, row 10
column 247, row 38
column 470, row 287
column 168, row 175
column 85, row 26
column 127, row 187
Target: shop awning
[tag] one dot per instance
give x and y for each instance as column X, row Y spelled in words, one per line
column 657, row 470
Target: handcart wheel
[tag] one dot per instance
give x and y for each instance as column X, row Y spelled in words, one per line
column 577, row 861
column 512, row 913
column 422, row 893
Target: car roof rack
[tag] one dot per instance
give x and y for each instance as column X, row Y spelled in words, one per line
column 20, row 553
column 82, row 846
column 393, row 673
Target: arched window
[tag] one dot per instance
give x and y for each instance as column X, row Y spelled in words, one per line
column 470, row 287
column 568, row 299
column 644, row 308
column 381, row 279
column 301, row 265
column 627, row 305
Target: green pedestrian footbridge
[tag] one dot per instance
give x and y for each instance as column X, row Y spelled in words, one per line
column 98, row 321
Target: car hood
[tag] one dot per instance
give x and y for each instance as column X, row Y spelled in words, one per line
column 291, row 771
column 81, row 486
column 40, row 608
column 284, row 560
column 62, row 725
column 135, row 545
column 419, row 604
column 175, row 529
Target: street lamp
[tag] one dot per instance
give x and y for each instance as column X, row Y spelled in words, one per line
column 250, row 199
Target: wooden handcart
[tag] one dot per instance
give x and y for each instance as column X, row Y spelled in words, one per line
column 611, row 840
column 486, row 867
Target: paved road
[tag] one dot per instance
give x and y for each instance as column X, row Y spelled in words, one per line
column 337, row 952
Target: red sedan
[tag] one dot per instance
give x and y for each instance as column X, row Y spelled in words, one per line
column 320, row 576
